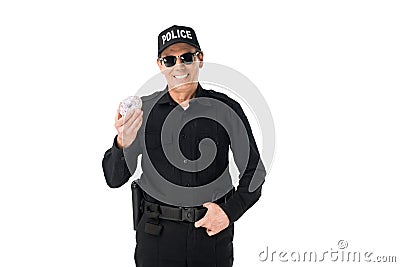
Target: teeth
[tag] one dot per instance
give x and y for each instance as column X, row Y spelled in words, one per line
column 181, row 76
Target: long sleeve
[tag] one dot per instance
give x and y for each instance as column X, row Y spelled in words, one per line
column 252, row 171
column 115, row 168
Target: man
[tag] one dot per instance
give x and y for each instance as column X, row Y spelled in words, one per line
column 168, row 234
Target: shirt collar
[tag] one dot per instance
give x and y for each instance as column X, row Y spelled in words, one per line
column 200, row 92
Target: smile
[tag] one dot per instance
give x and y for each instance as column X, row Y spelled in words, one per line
column 181, row 76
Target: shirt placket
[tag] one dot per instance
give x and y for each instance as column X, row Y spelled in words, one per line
column 187, row 146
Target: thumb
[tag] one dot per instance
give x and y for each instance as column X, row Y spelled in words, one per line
column 207, row 204
column 200, row 222
column 118, row 115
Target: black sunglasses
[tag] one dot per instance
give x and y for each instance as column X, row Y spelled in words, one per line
column 186, row 58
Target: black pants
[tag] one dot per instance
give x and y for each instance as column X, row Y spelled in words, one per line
column 180, row 244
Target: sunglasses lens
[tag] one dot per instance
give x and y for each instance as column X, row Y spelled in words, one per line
column 187, row 58
column 169, row 61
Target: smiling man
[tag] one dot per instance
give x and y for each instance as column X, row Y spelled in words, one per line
column 167, row 234
column 181, row 78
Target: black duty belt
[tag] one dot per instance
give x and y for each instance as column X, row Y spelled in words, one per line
column 179, row 214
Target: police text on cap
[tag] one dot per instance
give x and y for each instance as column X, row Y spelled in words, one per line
column 174, row 35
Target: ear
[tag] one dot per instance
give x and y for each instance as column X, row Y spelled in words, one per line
column 201, row 57
column 160, row 66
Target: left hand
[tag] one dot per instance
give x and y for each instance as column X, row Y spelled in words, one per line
column 215, row 219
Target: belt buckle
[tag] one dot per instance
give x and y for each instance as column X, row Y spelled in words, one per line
column 187, row 214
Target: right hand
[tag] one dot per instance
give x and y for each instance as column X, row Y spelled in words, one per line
column 128, row 126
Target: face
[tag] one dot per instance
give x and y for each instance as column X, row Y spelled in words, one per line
column 181, row 76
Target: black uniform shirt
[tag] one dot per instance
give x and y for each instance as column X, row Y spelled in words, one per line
column 116, row 169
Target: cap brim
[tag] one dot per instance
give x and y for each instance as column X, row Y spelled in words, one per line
column 175, row 42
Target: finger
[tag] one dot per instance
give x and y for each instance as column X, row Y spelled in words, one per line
column 117, row 117
column 125, row 121
column 206, row 221
column 201, row 222
column 134, row 120
column 207, row 204
column 119, row 121
column 131, row 117
column 133, row 129
column 119, row 111
column 137, row 114
column 211, row 232
column 139, row 124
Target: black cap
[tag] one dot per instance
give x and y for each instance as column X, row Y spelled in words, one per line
column 177, row 34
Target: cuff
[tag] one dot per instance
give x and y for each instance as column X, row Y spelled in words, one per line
column 232, row 209
column 116, row 151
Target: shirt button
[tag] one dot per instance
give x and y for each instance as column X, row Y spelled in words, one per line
column 185, row 161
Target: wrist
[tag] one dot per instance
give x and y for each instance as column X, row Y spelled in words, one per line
column 119, row 142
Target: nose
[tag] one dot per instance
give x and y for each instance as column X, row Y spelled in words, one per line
column 179, row 64
column 178, row 60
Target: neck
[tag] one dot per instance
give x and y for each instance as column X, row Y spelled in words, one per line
column 183, row 93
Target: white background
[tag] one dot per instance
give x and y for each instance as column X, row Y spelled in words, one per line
column 329, row 71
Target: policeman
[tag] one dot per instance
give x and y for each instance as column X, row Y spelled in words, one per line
column 167, row 234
